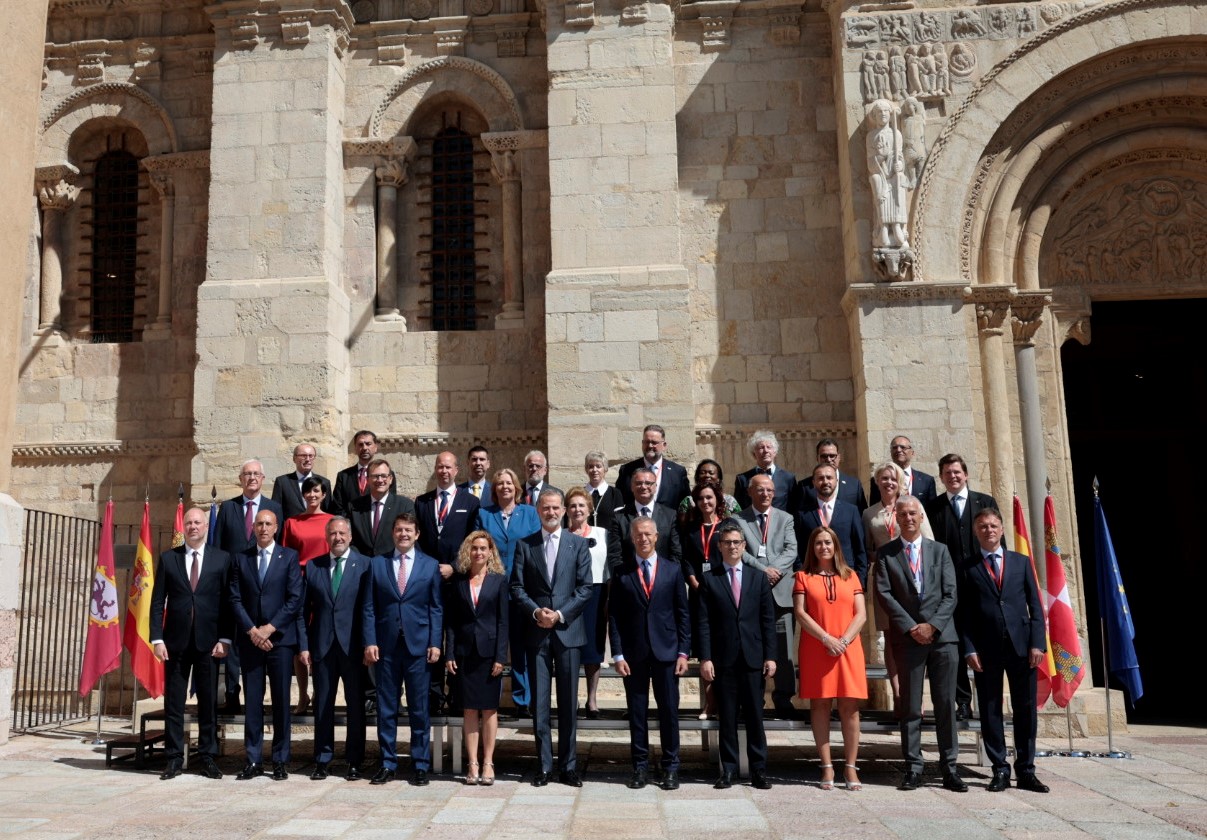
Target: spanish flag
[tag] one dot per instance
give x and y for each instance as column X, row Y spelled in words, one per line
column 1043, row 687
column 146, row 667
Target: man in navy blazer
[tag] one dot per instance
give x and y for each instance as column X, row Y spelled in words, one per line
column 478, row 485
column 287, row 488
column 672, row 486
column 1001, row 624
column 850, row 489
column 337, row 586
column 536, row 473
column 266, row 598
column 404, row 626
column 551, row 584
column 620, row 544
column 918, row 484
column 841, row 517
column 353, row 482
column 764, row 446
column 371, row 515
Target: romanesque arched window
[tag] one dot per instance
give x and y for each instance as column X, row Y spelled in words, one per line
column 114, row 249
column 453, row 255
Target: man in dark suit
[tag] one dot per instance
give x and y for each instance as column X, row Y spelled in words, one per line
column 191, row 628
column 337, row 586
column 403, row 634
column 764, row 446
column 736, row 640
column 918, row 484
column 951, row 515
column 371, row 515
column 916, row 588
column 606, row 500
column 551, row 583
column 235, row 535
column 478, row 486
column 842, row 517
column 1001, row 625
column 672, row 486
column 536, row 470
column 266, row 598
column 287, row 488
column 771, row 547
column 850, row 489
column 353, row 482
column 620, row 546
column 650, row 630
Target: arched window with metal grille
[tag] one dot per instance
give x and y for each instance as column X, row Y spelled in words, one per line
column 454, row 269
column 115, row 218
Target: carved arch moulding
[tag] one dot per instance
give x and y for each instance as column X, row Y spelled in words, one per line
column 468, row 80
column 110, row 100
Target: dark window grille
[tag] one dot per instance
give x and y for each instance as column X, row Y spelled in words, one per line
column 453, row 271
column 114, row 246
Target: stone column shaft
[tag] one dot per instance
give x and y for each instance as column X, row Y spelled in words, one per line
column 391, row 172
column 55, row 194
column 166, row 188
column 1025, row 318
column 513, row 232
column 991, row 314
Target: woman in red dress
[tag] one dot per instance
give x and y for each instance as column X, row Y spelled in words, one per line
column 306, row 534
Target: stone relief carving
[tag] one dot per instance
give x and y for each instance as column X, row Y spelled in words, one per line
column 57, row 193
column 913, row 137
column 392, row 171
column 295, row 28
column 927, row 27
column 966, row 23
column 480, row 7
column 1025, row 18
column 363, row 11
column 962, row 60
column 1026, row 315
column 921, row 71
column 512, row 43
column 903, row 28
column 785, row 30
column 890, row 192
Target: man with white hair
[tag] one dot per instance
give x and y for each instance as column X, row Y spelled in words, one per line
column 764, row 446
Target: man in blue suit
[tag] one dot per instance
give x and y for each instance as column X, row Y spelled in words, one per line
column 287, row 488
column 918, row 484
column 650, row 629
column 266, row 597
column 551, row 583
column 337, row 587
column 671, row 485
column 403, row 626
column 764, row 446
column 372, row 513
column 850, row 489
column 841, row 517
column 233, row 533
column 479, row 467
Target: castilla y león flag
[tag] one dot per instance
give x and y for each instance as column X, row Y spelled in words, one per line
column 1064, row 645
column 1022, row 544
column 103, row 648
column 146, row 667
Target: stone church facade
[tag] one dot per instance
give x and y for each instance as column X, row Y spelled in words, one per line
column 545, row 224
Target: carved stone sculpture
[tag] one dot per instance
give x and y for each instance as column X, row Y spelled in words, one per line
column 913, row 123
column 886, row 174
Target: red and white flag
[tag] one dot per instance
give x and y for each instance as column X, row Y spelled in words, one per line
column 103, row 648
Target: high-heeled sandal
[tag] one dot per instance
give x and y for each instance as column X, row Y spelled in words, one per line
column 471, row 778
column 484, row 779
column 855, row 785
column 827, row 784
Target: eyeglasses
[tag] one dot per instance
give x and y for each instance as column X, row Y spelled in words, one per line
column 644, row 483
column 251, row 475
column 901, row 446
column 732, row 542
column 385, row 477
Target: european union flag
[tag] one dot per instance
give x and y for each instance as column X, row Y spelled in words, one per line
column 1112, row 602
column 213, row 532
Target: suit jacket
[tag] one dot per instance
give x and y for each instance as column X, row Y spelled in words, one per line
column 180, row 615
column 335, row 620
column 524, row 523
column 416, row 615
column 477, row 629
column 657, row 626
column 276, row 601
column 527, row 497
column 957, row 534
column 782, row 548
column 985, row 615
column 347, row 489
column 610, row 504
column 568, row 592
column 620, row 546
column 287, row 492
column 783, row 480
column 847, row 522
column 849, row 490
column 923, row 488
column 672, row 485
column 487, row 497
column 231, row 529
column 899, row 599
column 741, row 634
column 444, row 543
column 361, row 517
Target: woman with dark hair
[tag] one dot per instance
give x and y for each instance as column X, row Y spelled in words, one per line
column 698, row 535
column 595, row 617
column 306, row 534
column 710, row 470
column 476, row 642
column 828, row 602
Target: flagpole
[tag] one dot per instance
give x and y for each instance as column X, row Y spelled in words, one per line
column 1106, row 673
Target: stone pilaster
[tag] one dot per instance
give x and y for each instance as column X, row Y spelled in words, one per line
column 392, row 171
column 57, row 192
column 992, row 308
column 165, row 187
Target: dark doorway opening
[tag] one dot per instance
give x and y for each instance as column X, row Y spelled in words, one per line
column 1136, row 401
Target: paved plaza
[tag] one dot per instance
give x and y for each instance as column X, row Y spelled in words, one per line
column 56, row 785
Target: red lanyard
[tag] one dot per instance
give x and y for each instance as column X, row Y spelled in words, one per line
column 707, row 541
column 647, row 585
column 997, row 576
column 766, row 524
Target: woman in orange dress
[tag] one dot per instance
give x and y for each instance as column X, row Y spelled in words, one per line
column 828, row 602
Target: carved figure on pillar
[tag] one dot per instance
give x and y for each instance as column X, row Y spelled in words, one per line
column 886, row 173
column 896, row 72
column 913, row 125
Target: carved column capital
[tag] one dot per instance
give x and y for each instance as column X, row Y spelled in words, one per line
column 504, row 166
column 1026, row 314
column 992, row 306
column 163, row 182
column 1071, row 309
column 392, row 171
column 56, row 186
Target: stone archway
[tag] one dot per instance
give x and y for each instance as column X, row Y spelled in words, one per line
column 118, row 101
column 462, row 78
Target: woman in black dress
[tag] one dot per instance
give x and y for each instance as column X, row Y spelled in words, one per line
column 698, row 535
column 476, row 630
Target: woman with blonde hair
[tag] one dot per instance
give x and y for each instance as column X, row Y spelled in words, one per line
column 579, row 511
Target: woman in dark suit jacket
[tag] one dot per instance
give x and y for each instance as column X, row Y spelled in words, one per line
column 699, row 534
column 476, row 627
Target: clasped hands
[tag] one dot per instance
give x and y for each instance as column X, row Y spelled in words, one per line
column 260, row 636
column 545, row 618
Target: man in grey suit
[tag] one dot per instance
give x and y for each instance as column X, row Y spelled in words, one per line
column 916, row 588
column 551, row 584
column 770, row 535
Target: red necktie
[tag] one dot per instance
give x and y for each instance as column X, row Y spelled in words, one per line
column 362, row 480
column 402, row 574
column 195, row 571
column 250, row 518
column 734, row 586
column 376, row 516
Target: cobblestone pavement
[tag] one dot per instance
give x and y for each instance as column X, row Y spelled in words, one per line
column 56, row 785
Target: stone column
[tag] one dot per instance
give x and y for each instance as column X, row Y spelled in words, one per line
column 992, row 306
column 56, row 194
column 505, row 166
column 392, row 172
column 1026, row 315
column 165, row 188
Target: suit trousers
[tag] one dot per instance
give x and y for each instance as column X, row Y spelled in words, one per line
column 176, row 671
column 661, row 675
column 277, row 666
column 230, row 671
column 396, row 667
column 516, row 628
column 784, row 684
column 939, row 662
column 738, row 689
column 1017, row 670
column 328, row 672
column 545, row 661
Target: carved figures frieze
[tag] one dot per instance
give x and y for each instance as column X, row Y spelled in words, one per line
column 915, row 27
column 922, row 71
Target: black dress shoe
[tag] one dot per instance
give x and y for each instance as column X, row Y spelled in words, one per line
column 419, row 778
column 385, row 774
column 758, row 781
column 523, row 713
column 591, row 714
column 724, row 782
column 999, row 782
column 172, row 770
column 250, row 771
column 570, row 777
column 540, row 779
column 209, row 769
column 670, row 780
column 354, row 773
column 321, row 772
column 1027, row 781
column 231, row 706
column 954, row 783
column 638, row 780
column 279, row 773
column 912, row 781
column 963, row 711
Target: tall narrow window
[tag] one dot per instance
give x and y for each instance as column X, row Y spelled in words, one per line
column 114, row 246
column 454, row 273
